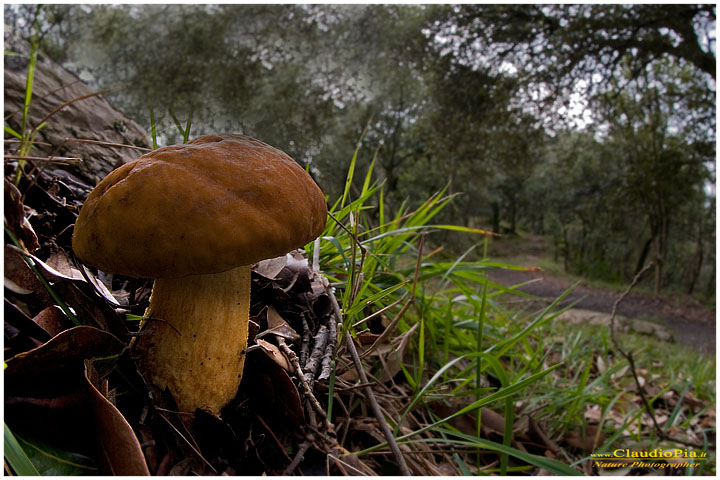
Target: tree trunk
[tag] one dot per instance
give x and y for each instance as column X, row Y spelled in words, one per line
column 495, row 207
column 643, row 255
column 660, row 250
column 699, row 257
column 513, row 215
column 565, row 249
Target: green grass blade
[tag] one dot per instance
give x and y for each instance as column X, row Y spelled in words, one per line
column 368, row 175
column 499, row 395
column 361, row 304
column 30, row 79
column 16, row 456
column 549, row 464
column 12, row 132
column 350, row 175
column 186, row 135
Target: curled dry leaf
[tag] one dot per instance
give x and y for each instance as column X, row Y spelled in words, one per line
column 19, row 278
column 278, row 326
column 78, row 294
column 51, row 368
column 16, row 220
column 60, row 262
column 270, row 268
column 24, row 324
column 119, row 451
column 273, row 392
column 49, row 397
column 275, row 354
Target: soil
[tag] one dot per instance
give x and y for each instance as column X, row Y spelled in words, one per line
column 690, row 322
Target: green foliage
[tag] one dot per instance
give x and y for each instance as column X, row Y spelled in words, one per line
column 26, row 135
column 16, row 457
column 52, row 461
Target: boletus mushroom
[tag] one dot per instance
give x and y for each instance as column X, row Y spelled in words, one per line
column 194, row 217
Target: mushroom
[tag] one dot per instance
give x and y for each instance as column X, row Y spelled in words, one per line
column 194, row 217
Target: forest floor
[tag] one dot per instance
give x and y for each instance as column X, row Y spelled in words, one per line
column 688, row 321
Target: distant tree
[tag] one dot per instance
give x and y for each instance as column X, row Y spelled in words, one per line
column 561, row 49
column 667, row 152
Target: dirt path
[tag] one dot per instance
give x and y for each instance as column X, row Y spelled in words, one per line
column 690, row 322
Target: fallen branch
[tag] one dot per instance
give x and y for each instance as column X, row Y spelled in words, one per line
column 631, row 362
column 387, row 432
column 295, row 362
column 329, row 354
column 313, row 363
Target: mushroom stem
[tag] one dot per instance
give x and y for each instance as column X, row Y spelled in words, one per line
column 194, row 340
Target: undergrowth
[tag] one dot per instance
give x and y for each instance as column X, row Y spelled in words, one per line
column 469, row 351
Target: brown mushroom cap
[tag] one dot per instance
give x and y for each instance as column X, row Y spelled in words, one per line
column 215, row 203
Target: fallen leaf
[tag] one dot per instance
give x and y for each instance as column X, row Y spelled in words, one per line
column 19, row 278
column 587, row 441
column 275, row 354
column 51, row 369
column 278, row 326
column 272, row 391
column 15, row 218
column 270, row 268
column 118, row 447
column 48, row 396
column 53, row 320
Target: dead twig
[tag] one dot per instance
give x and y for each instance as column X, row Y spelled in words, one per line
column 313, row 363
column 367, row 389
column 631, row 362
column 106, row 144
column 387, row 432
column 305, row 346
column 327, row 365
column 70, row 102
column 44, row 159
column 300, row 455
column 295, row 362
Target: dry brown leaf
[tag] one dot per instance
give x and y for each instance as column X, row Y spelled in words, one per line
column 19, row 278
column 16, row 220
column 59, row 261
column 275, row 354
column 49, row 394
column 278, row 326
column 273, row 392
column 53, row 320
column 118, row 447
column 587, row 441
column 271, row 267
column 52, row 367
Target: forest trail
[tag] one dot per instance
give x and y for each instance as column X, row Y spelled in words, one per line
column 690, row 322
